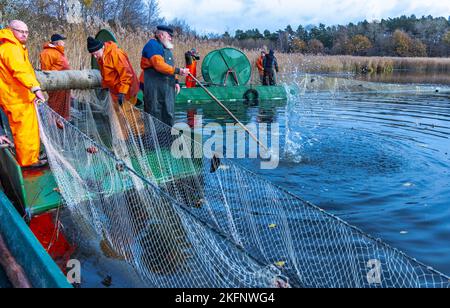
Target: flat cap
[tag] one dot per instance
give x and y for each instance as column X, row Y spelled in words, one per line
column 57, row 37
column 166, row 29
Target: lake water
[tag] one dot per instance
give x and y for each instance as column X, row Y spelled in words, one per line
column 376, row 155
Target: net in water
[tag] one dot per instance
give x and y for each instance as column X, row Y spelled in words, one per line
column 196, row 222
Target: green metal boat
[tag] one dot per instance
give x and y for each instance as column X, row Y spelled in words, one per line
column 227, row 74
column 40, row 269
column 33, row 191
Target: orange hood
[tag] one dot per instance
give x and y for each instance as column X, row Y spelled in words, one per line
column 18, row 77
column 6, row 35
column 109, row 48
column 49, row 45
column 117, row 72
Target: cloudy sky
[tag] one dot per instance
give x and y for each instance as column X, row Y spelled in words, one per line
column 218, row 16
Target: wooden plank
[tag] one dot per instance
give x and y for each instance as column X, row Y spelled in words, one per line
column 13, row 270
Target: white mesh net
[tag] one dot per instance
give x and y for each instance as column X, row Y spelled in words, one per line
column 195, row 222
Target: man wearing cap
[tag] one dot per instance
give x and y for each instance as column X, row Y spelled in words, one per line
column 191, row 58
column 19, row 89
column 117, row 73
column 160, row 83
column 120, row 79
column 270, row 65
column 53, row 59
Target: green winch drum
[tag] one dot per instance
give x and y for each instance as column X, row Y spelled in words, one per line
column 226, row 67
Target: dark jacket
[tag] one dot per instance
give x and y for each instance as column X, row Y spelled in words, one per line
column 270, row 62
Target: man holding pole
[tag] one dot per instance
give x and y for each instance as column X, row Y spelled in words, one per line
column 160, row 83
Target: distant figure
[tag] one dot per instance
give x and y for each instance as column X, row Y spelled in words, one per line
column 160, row 82
column 19, row 89
column 260, row 66
column 270, row 66
column 53, row 59
column 191, row 63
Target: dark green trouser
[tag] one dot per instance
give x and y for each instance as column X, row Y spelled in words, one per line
column 159, row 96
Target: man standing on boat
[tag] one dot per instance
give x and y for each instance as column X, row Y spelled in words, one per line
column 270, row 66
column 53, row 59
column 119, row 78
column 19, row 89
column 191, row 58
column 260, row 66
column 160, row 83
column 117, row 72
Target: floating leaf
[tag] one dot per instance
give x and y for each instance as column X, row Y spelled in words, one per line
column 59, row 124
column 92, row 150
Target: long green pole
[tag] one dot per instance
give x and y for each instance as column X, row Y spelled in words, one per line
column 229, row 112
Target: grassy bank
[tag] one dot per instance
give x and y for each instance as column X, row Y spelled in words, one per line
column 133, row 42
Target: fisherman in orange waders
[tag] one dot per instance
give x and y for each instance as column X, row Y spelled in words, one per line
column 53, row 59
column 260, row 66
column 191, row 63
column 19, row 89
column 119, row 78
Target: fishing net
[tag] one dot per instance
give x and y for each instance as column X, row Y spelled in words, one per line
column 197, row 222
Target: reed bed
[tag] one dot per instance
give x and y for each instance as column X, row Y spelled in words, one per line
column 133, row 42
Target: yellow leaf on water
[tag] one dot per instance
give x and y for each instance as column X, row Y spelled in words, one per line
column 280, row 264
column 272, row 226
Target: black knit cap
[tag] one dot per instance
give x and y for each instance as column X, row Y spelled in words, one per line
column 93, row 45
column 57, row 37
column 166, row 29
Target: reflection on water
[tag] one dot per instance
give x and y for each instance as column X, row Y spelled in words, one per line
column 404, row 76
column 375, row 155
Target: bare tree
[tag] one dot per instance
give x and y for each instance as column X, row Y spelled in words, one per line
column 153, row 14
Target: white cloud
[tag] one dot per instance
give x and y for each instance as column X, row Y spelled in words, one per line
column 218, row 16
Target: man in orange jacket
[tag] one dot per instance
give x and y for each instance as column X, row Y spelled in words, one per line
column 119, row 77
column 260, row 66
column 19, row 89
column 117, row 73
column 53, row 59
column 191, row 58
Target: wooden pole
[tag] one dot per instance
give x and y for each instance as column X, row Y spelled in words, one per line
column 13, row 270
column 67, row 80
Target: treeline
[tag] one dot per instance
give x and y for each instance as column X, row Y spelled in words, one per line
column 399, row 37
